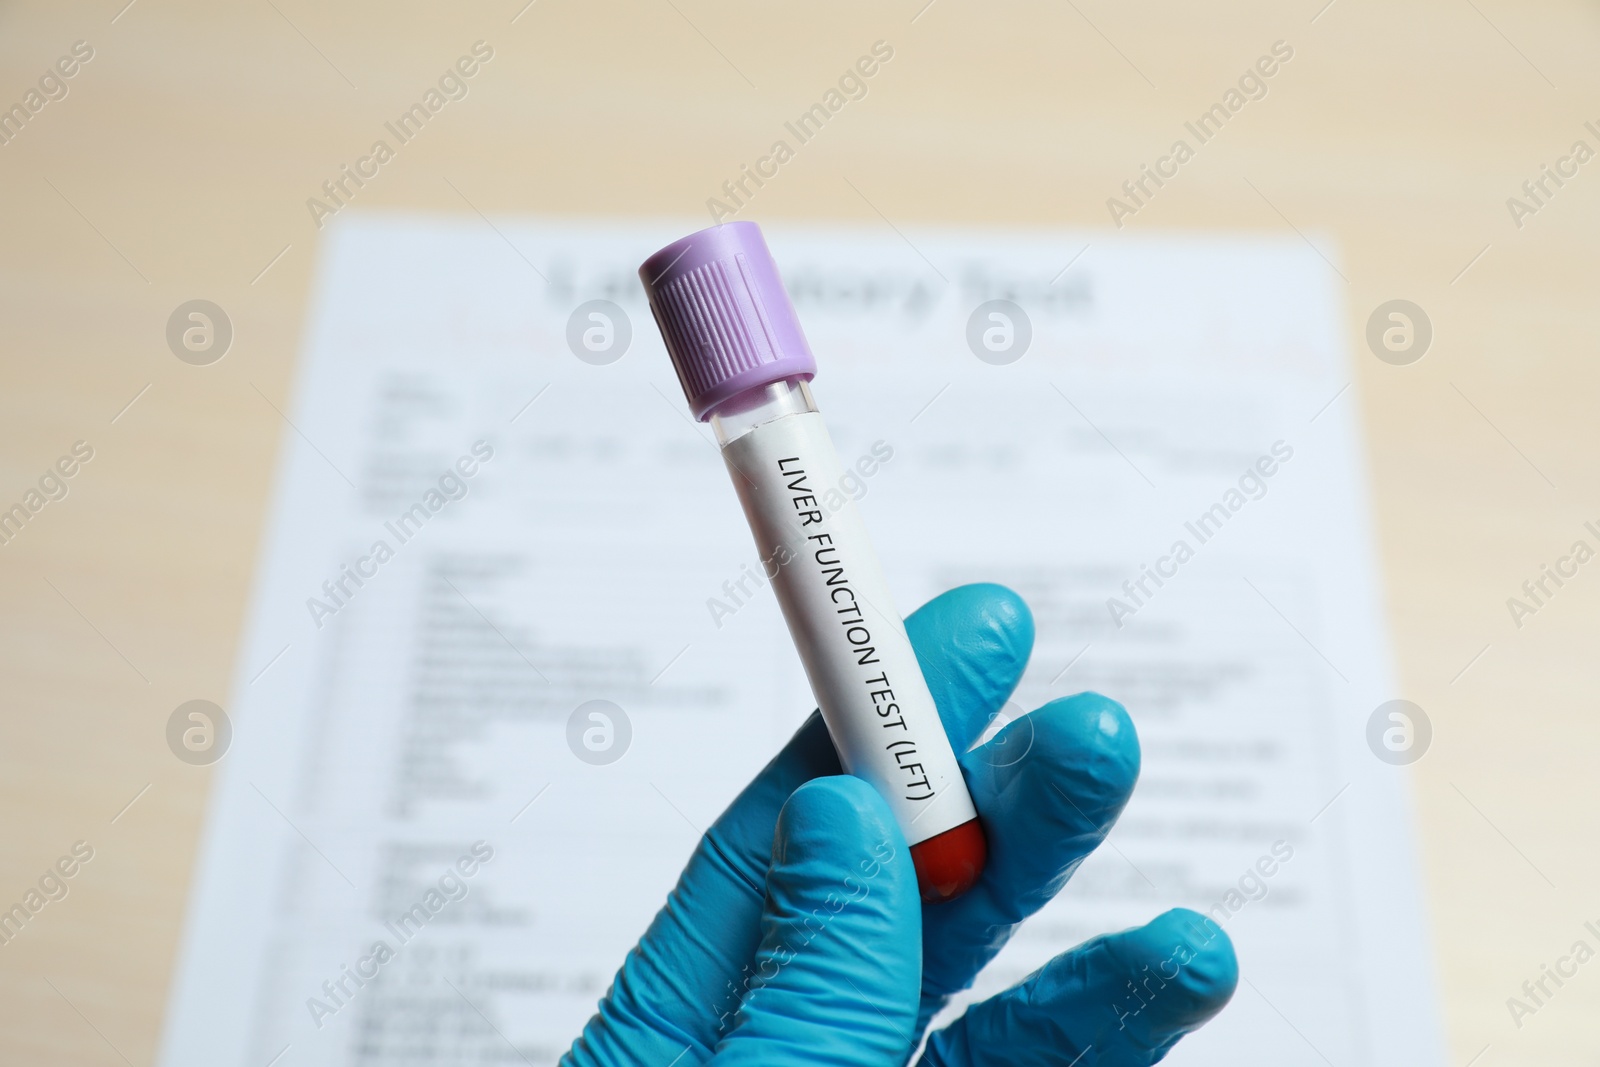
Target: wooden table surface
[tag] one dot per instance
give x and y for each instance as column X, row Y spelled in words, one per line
column 178, row 165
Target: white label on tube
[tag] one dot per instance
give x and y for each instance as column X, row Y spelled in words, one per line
column 850, row 637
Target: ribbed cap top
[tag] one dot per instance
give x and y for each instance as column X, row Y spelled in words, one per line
column 724, row 315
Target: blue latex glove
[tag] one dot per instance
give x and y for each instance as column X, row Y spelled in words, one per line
column 796, row 935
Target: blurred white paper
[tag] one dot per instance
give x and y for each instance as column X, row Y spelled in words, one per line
column 395, row 708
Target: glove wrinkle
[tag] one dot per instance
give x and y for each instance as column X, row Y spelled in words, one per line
column 973, row 643
column 723, row 862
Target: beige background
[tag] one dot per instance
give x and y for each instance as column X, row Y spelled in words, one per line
column 179, row 166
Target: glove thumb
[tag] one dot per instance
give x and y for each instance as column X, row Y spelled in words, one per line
column 836, row 978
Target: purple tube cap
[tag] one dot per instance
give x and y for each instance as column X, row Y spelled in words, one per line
column 724, row 315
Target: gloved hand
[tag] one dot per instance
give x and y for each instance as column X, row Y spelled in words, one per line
column 796, row 936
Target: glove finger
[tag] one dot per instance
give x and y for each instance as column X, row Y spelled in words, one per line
column 836, row 975
column 1122, row 1000
column 973, row 643
column 1048, row 787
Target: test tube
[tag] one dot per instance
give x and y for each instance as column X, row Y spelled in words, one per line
column 744, row 365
